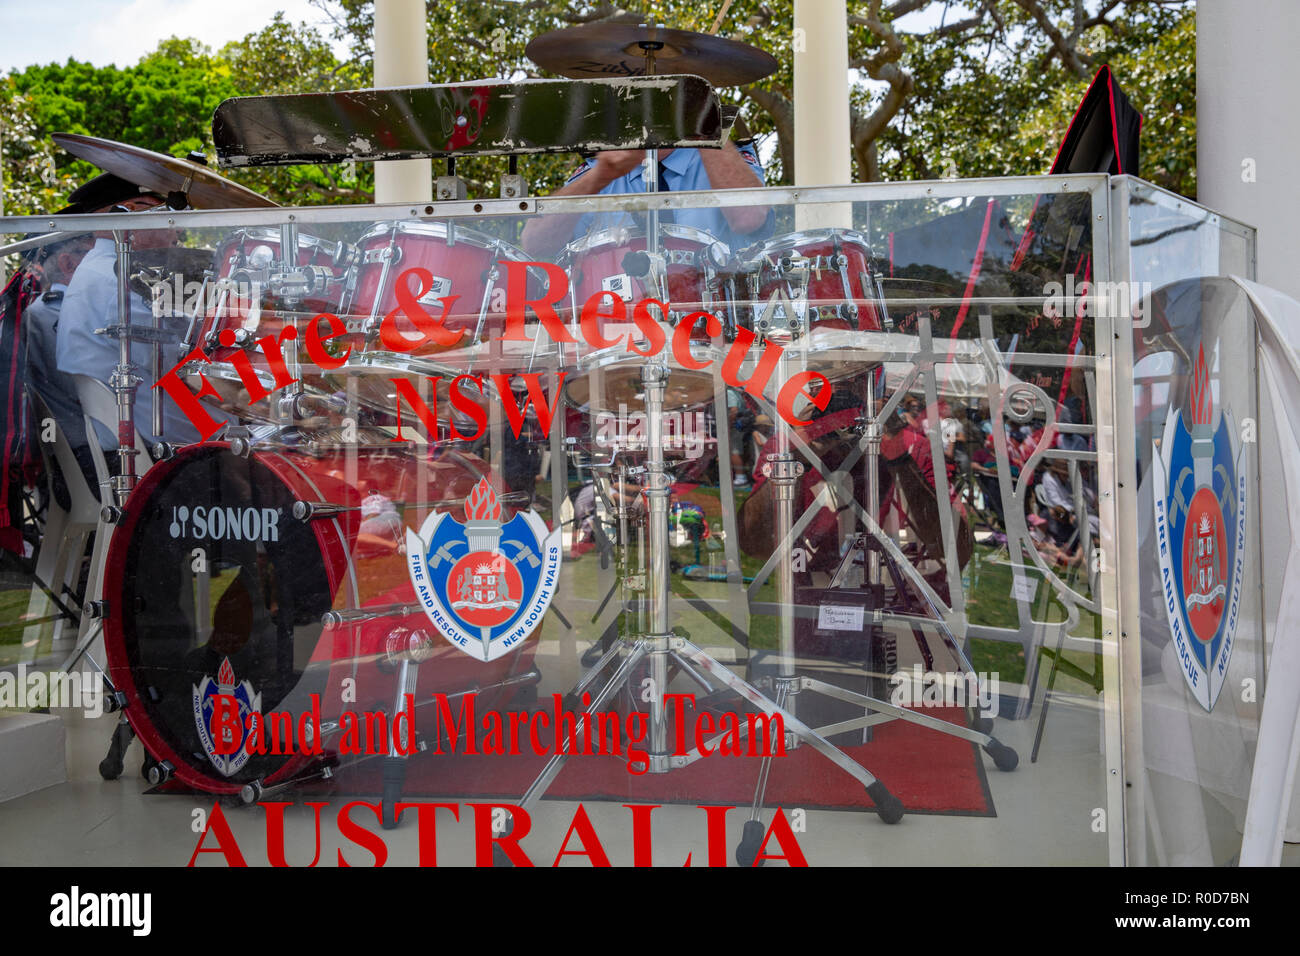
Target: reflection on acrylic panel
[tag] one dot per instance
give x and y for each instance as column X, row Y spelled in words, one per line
column 835, row 487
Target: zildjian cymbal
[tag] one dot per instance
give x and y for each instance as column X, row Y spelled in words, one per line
column 202, row 188
column 608, row 50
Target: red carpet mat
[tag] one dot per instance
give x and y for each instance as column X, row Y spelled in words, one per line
column 928, row 771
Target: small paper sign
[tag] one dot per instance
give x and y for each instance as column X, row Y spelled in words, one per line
column 833, row 617
column 1023, row 588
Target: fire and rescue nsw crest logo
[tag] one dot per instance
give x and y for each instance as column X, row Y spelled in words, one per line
column 235, row 754
column 485, row 585
column 1200, row 509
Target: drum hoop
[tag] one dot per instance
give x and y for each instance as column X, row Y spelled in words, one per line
column 437, row 229
column 271, row 234
column 619, row 236
column 793, row 240
column 401, row 362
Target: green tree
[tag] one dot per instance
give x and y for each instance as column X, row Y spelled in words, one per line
column 165, row 103
column 983, row 88
column 283, row 58
column 31, row 177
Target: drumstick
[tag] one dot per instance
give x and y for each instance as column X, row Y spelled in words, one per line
column 726, row 5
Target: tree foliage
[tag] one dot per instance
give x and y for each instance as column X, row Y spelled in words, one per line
column 165, row 103
column 942, row 88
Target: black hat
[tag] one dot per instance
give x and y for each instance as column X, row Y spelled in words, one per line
column 104, row 190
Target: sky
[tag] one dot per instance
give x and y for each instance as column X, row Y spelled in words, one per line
column 121, row 31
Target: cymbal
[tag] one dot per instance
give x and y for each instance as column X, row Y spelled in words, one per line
column 162, row 174
column 617, row 49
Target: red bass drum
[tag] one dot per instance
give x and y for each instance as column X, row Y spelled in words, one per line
column 221, row 578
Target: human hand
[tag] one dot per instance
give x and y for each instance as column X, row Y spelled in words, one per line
column 619, row 162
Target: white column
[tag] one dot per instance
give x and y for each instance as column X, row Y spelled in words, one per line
column 1247, row 87
column 1247, row 141
column 402, row 59
column 822, row 149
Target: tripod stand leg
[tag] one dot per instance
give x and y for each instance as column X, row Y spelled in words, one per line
column 692, row 674
column 615, row 648
column 1004, row 757
column 398, row 751
column 751, row 837
column 888, row 807
column 110, row 768
column 557, row 762
column 86, row 640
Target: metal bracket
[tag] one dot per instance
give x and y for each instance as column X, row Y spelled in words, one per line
column 450, row 188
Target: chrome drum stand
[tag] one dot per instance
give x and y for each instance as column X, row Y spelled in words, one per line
column 659, row 645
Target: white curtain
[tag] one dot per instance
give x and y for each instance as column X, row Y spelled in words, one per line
column 1272, row 799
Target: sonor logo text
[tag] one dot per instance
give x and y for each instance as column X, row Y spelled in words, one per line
column 219, row 524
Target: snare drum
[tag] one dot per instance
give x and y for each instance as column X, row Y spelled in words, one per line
column 694, row 276
column 826, row 273
column 215, row 583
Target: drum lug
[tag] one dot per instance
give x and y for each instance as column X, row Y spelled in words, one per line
column 160, row 773
column 311, row 510
column 405, row 644
column 243, row 339
column 345, row 255
column 110, row 514
column 163, row 451
column 96, row 610
column 241, row 444
column 250, row 793
column 114, row 701
column 333, row 619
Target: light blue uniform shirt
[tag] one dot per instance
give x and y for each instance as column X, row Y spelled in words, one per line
column 90, row 303
column 56, row 389
column 680, row 171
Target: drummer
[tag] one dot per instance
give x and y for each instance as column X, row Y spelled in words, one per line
column 621, row 172
column 57, row 262
column 90, row 303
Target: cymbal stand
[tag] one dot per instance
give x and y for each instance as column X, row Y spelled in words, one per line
column 784, row 472
column 659, row 645
column 123, row 381
column 290, row 408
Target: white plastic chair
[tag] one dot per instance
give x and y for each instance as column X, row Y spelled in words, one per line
column 63, row 544
column 100, row 405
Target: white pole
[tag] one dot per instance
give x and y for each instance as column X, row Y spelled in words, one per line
column 822, row 147
column 1247, row 139
column 1246, row 147
column 402, row 59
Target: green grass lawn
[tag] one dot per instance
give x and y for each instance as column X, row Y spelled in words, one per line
column 13, row 606
column 988, row 578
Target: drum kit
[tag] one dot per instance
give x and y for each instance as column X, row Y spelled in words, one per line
column 266, row 559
